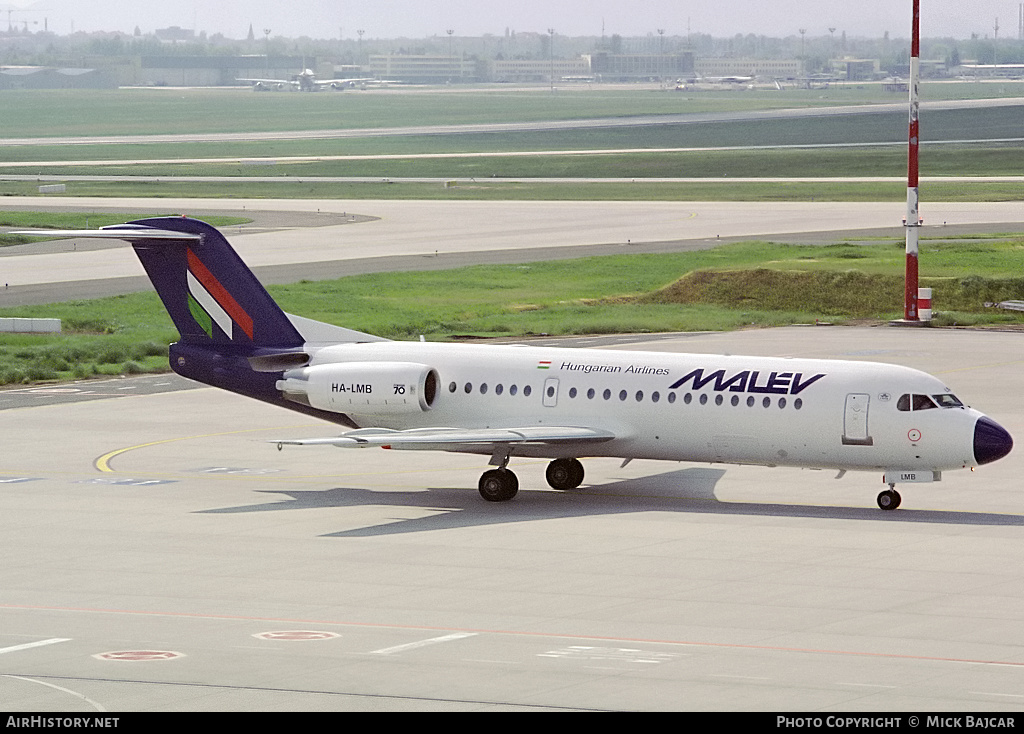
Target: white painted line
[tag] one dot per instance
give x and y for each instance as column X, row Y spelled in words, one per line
column 30, row 645
column 863, row 685
column 94, row 704
column 423, row 643
column 989, row 693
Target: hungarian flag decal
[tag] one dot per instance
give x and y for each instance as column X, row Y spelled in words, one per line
column 209, row 302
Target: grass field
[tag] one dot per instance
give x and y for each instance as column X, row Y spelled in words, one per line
column 33, row 113
column 880, row 136
column 949, row 159
column 482, row 189
column 695, row 291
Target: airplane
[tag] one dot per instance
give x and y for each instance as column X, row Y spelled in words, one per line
column 306, row 81
column 506, row 401
column 693, row 82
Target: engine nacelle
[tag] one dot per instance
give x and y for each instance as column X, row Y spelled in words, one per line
column 363, row 388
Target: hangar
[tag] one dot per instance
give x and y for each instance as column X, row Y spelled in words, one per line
column 41, row 77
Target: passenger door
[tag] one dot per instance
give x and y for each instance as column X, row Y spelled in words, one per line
column 855, row 420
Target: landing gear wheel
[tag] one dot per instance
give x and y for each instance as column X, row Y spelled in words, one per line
column 498, row 485
column 889, row 499
column 564, row 474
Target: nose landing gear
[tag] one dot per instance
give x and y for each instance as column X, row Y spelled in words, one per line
column 889, row 499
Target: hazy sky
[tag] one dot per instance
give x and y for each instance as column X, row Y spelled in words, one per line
column 419, row 18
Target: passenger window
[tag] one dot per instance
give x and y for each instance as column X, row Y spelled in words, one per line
column 527, row 390
column 572, row 392
column 498, row 389
column 591, row 393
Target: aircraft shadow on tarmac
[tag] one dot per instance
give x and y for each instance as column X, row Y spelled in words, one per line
column 686, row 490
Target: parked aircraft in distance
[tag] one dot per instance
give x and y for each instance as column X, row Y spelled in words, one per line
column 306, row 81
column 682, row 84
column 510, row 402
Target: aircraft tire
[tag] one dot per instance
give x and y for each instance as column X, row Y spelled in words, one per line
column 498, row 485
column 889, row 499
column 564, row 474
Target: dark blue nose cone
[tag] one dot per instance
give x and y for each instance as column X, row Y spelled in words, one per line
column 991, row 441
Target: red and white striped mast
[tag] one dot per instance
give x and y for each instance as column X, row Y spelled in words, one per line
column 913, row 220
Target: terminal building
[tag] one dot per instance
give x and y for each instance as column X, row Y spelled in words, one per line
column 641, row 67
column 441, row 69
column 425, row 68
column 772, row 68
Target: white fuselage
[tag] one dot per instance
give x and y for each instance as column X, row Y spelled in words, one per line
column 682, row 407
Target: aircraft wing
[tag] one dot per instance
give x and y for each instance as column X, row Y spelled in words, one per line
column 265, row 81
column 455, row 439
column 270, row 82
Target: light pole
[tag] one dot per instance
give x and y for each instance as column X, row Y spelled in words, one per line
column 551, row 57
column 450, row 31
column 266, row 38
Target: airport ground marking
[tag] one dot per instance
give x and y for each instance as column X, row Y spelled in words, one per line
column 980, row 367
column 30, row 645
column 76, row 694
column 423, row 643
column 528, row 634
column 103, row 462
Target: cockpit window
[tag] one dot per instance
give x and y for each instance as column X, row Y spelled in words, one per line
column 923, row 402
column 948, row 400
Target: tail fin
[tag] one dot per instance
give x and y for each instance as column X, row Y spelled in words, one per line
column 210, row 294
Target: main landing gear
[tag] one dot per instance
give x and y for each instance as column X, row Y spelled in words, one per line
column 501, row 485
column 889, row 499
